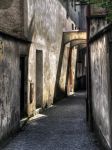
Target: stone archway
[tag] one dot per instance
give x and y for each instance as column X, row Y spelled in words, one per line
column 75, row 38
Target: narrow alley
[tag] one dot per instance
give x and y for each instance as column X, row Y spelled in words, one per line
column 49, row 51
column 61, row 127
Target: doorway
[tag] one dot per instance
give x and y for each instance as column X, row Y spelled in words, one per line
column 39, row 78
column 23, row 93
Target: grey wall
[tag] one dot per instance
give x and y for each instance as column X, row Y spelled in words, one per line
column 82, row 18
column 100, row 76
column 10, row 85
column 100, row 86
column 96, row 25
column 46, row 22
column 11, row 17
column 78, row 14
column 97, row 10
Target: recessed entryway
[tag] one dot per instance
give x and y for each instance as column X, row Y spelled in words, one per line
column 23, row 87
column 39, row 78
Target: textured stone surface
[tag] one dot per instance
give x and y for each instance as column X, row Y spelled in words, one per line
column 75, row 35
column 62, row 127
column 46, row 22
column 97, row 10
column 78, row 15
column 96, row 25
column 100, row 85
column 11, row 17
column 10, row 85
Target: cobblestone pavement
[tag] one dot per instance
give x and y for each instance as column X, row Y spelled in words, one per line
column 61, row 127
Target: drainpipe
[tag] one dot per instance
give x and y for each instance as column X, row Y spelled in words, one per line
column 89, row 91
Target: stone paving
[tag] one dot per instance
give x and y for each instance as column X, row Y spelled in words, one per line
column 61, row 127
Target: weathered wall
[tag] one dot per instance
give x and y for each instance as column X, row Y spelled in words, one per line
column 97, row 24
column 100, row 85
column 63, row 76
column 71, row 81
column 64, row 80
column 42, row 22
column 78, row 14
column 82, row 18
column 73, row 12
column 10, row 85
column 11, row 17
column 46, row 31
column 97, row 10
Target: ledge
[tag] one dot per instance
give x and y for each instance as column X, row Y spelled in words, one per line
column 100, row 33
column 74, row 35
column 97, row 17
column 17, row 38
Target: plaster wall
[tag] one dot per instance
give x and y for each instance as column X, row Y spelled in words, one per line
column 97, row 10
column 10, row 85
column 64, row 70
column 46, row 22
column 78, row 14
column 96, row 25
column 100, row 86
column 71, row 82
column 11, row 17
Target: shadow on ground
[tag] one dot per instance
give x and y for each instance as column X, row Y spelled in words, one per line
column 61, row 127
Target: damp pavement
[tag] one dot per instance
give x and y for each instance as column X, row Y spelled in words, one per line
column 61, row 127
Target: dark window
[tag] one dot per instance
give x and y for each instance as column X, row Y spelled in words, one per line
column 73, row 26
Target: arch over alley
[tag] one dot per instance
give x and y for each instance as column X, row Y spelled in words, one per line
column 77, row 41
